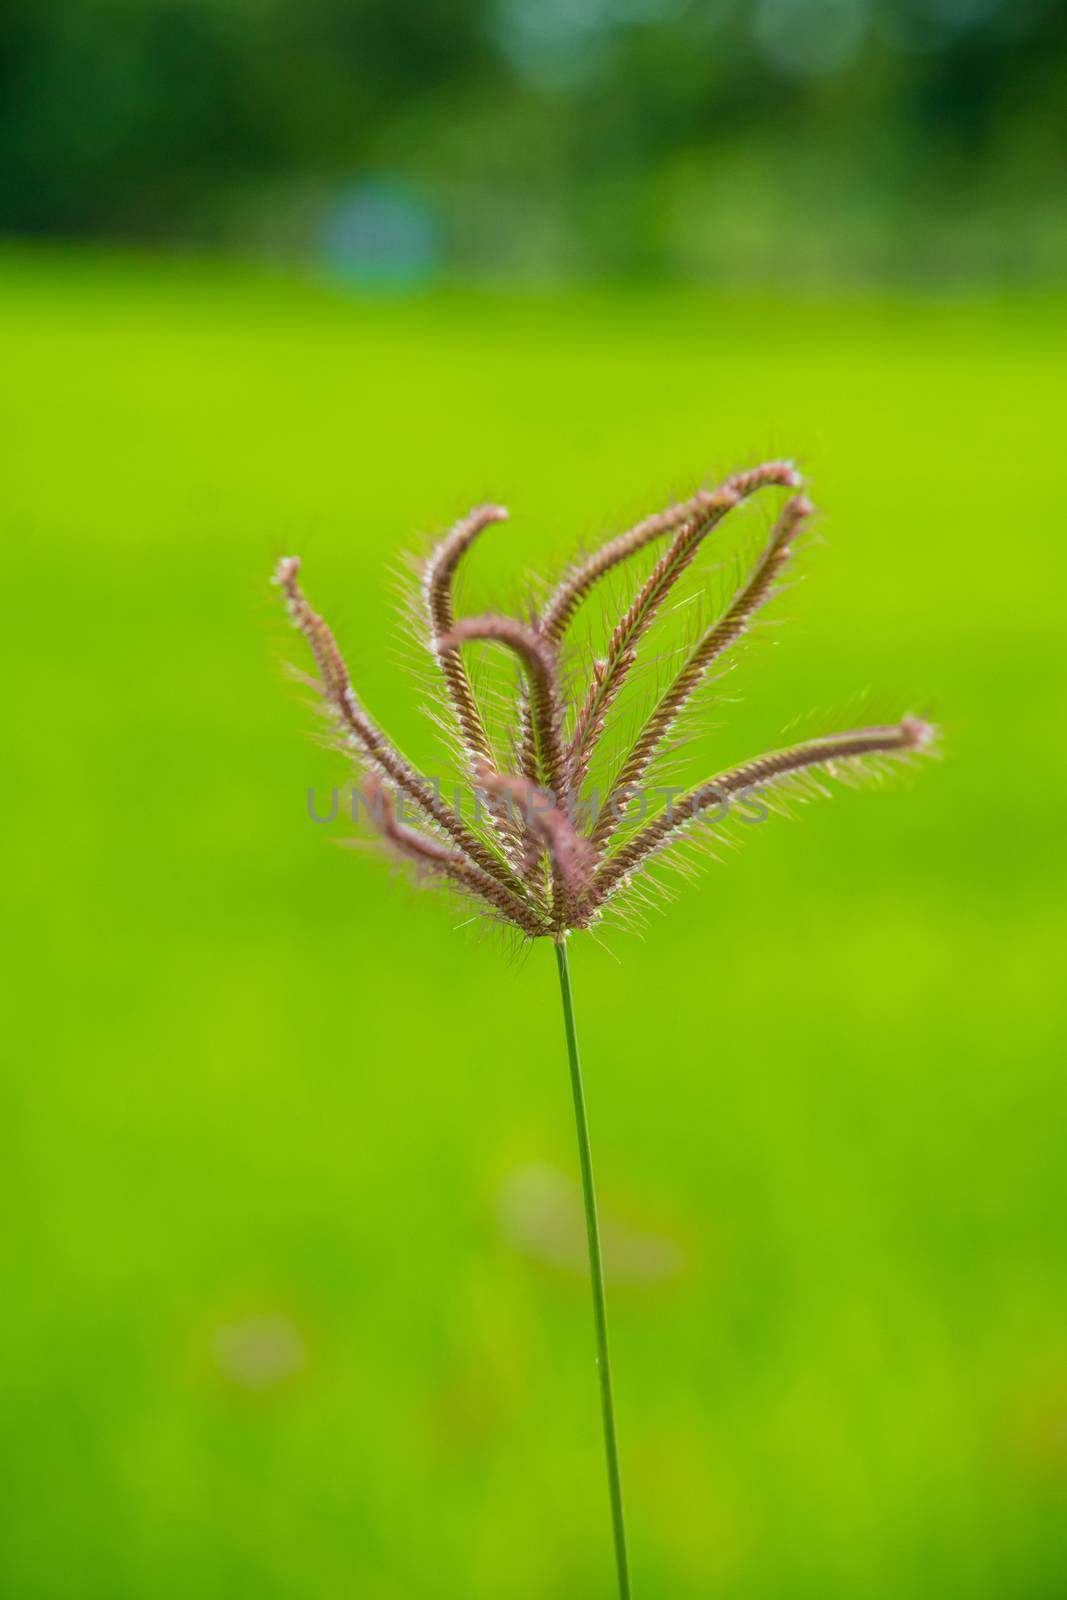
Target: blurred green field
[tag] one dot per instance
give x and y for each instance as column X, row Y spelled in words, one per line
column 280, row 1144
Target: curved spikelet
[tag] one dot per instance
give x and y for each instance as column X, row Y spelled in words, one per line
column 570, row 593
column 440, row 573
column 641, row 613
column 715, row 641
column 429, row 855
column 438, row 583
column 365, row 736
column 836, row 755
column 539, row 660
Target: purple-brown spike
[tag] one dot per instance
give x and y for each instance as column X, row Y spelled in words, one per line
column 717, row 639
column 431, row 856
column 674, row 562
column 593, row 713
column 835, row 754
column 578, row 583
column 328, row 658
column 368, row 740
column 439, row 576
column 539, row 660
column 438, row 584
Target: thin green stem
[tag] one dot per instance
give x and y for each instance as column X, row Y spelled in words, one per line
column 596, row 1273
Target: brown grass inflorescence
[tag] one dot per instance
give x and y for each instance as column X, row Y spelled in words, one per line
column 543, row 865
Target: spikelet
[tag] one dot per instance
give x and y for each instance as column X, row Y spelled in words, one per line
column 429, row 856
column 716, row 640
column 539, row 659
column 367, row 740
column 838, row 755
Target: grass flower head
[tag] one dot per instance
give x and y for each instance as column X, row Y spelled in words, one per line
column 547, row 858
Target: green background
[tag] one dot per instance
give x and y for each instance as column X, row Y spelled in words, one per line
column 271, row 1326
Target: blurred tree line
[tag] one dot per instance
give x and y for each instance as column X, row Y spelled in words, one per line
column 696, row 136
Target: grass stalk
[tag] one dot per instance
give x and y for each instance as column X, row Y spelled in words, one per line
column 596, row 1274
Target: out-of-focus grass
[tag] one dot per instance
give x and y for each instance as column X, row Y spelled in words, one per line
column 247, row 1079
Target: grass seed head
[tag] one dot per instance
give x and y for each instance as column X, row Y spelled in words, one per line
column 538, row 863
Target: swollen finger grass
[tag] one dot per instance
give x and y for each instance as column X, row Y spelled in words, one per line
column 550, row 859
